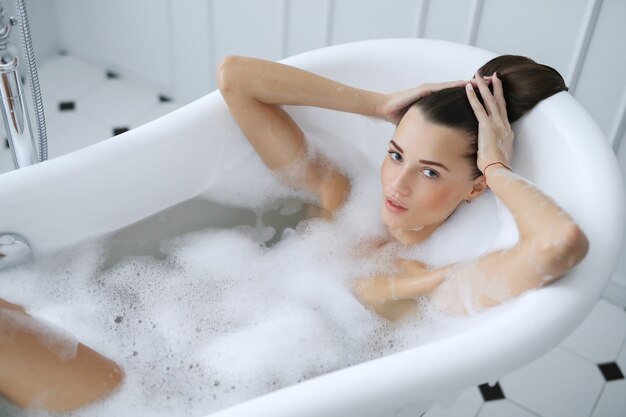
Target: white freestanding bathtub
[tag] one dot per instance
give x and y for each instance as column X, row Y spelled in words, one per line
column 110, row 185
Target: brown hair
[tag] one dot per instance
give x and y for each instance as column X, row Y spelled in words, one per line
column 524, row 82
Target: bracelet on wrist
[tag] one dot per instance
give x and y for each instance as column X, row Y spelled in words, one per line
column 494, row 163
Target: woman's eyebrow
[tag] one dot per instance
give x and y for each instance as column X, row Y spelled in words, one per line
column 396, row 145
column 423, row 161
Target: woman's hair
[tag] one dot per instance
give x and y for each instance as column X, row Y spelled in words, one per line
column 524, row 82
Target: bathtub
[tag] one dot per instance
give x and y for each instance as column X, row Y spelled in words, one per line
column 119, row 182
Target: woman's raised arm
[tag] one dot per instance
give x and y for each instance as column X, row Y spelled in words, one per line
column 254, row 89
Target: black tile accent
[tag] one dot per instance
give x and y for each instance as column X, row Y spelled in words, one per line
column 118, row 130
column 67, row 105
column 112, row 75
column 6, row 143
column 611, row 371
column 164, row 98
column 490, row 393
column 23, row 79
column 62, row 52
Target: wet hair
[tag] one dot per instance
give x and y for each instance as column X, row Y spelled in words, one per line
column 524, row 82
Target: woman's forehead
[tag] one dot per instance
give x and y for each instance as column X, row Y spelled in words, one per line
column 431, row 141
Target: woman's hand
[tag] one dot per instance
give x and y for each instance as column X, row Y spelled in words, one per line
column 375, row 290
column 378, row 294
column 495, row 136
column 394, row 105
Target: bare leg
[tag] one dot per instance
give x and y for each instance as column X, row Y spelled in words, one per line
column 35, row 373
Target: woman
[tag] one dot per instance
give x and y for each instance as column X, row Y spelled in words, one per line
column 452, row 141
column 44, row 369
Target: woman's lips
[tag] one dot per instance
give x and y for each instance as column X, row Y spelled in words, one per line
column 394, row 206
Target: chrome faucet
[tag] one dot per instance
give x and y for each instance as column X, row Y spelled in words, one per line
column 14, row 249
column 13, row 105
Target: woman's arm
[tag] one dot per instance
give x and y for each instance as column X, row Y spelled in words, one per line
column 41, row 368
column 254, row 90
column 550, row 245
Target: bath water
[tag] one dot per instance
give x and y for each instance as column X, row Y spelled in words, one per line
column 208, row 313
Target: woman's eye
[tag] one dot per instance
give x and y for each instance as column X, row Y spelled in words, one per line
column 395, row 155
column 430, row 173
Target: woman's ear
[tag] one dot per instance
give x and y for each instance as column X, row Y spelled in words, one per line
column 479, row 186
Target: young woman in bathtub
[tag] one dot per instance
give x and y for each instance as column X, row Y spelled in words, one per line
column 452, row 141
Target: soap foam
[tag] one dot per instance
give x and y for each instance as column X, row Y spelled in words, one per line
column 224, row 318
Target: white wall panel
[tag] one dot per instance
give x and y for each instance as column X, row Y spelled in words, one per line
column 246, row 27
column 135, row 36
column 192, row 75
column 43, row 26
column 307, row 25
column 243, row 27
column 449, row 20
column 76, row 22
column 602, row 84
column 369, row 19
column 132, row 37
column 546, row 31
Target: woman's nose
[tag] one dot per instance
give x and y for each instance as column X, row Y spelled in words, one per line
column 400, row 183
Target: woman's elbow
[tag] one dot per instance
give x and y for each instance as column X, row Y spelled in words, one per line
column 569, row 252
column 577, row 244
column 227, row 71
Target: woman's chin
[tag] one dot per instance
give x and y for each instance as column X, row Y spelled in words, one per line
column 396, row 224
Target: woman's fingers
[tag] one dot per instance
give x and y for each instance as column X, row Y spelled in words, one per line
column 498, row 92
column 478, row 108
column 490, row 102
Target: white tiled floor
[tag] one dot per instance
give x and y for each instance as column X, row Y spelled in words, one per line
column 84, row 105
column 606, row 323
column 503, row 408
column 562, row 375
column 566, row 382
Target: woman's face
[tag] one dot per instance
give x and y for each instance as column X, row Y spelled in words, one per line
column 425, row 176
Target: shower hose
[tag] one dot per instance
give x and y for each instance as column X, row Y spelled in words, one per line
column 29, row 52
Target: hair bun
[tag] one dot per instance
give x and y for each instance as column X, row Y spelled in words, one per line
column 524, row 81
